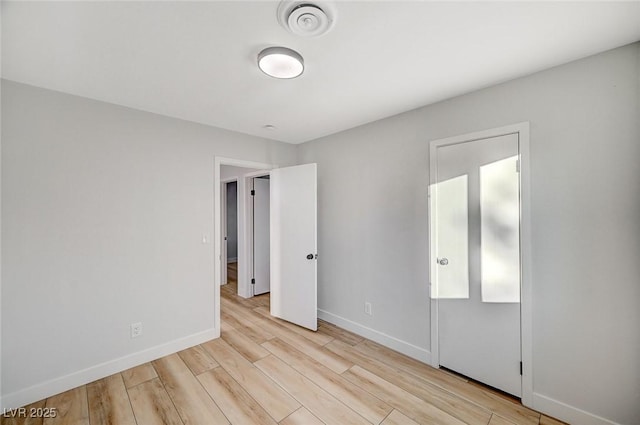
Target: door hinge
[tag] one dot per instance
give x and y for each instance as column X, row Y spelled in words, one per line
column 253, row 193
column 253, row 281
column 517, row 165
column 520, row 368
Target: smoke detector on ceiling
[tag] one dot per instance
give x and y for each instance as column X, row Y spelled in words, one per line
column 305, row 18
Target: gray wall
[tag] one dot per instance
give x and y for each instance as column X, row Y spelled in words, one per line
column 103, row 214
column 585, row 148
column 232, row 220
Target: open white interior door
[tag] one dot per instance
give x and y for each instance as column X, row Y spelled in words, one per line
column 261, row 224
column 294, row 245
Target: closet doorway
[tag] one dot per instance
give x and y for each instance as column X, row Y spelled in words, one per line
column 480, row 257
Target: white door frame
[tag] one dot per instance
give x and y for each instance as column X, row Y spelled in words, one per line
column 218, row 238
column 526, row 316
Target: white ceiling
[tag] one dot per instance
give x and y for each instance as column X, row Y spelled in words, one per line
column 197, row 60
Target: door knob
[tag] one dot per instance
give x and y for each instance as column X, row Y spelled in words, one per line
column 443, row 261
column 310, row 257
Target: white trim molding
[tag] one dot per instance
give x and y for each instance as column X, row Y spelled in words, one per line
column 90, row 374
column 567, row 413
column 389, row 341
column 526, row 310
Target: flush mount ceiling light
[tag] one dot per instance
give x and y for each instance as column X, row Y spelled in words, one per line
column 280, row 62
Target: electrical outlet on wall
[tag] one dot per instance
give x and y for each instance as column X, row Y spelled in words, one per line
column 136, row 329
column 367, row 308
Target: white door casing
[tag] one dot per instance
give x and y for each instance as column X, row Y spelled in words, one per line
column 294, row 244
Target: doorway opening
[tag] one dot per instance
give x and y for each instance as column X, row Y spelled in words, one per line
column 257, row 261
column 245, row 241
column 229, row 194
column 233, row 224
column 245, row 212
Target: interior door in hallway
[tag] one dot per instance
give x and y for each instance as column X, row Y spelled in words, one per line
column 261, row 238
column 475, row 259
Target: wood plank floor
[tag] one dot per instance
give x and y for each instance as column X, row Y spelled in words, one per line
column 266, row 371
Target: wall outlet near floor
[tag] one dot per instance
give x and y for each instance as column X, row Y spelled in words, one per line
column 367, row 309
column 136, row 329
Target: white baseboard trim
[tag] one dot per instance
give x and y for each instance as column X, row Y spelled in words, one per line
column 82, row 377
column 396, row 344
column 564, row 412
column 232, row 260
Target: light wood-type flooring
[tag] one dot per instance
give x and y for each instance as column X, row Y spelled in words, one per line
column 266, row 371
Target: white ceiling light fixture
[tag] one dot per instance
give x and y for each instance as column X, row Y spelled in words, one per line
column 280, row 62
